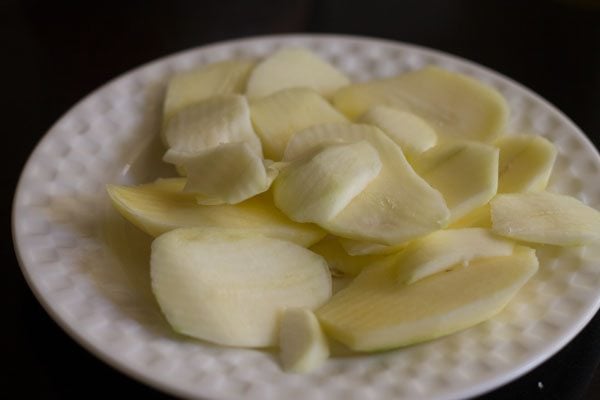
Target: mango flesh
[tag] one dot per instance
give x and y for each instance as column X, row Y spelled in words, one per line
column 318, row 187
column 228, row 286
column 466, row 173
column 159, row 207
column 303, row 345
column 279, row 116
column 544, row 217
column 375, row 312
column 294, row 67
column 396, row 206
column 189, row 87
column 525, row 163
column 455, row 105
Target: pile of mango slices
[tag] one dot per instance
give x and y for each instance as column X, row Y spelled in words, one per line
column 291, row 177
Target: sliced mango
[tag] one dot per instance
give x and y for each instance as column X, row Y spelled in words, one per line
column 159, row 207
column 526, row 163
column 220, row 119
column 455, row 105
column 363, row 248
column 409, row 131
column 340, row 261
column 221, row 78
column 226, row 174
column 230, row 286
column 296, row 67
column 318, row 187
column 466, row 173
column 447, row 247
column 395, row 207
column 303, row 345
column 544, row 217
column 278, row 116
column 375, row 312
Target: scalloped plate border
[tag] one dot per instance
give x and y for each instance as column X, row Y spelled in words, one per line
column 65, row 261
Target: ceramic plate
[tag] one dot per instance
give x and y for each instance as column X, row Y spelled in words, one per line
column 89, row 269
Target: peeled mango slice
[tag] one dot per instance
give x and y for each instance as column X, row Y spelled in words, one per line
column 478, row 218
column 526, row 163
column 442, row 249
column 186, row 88
column 375, row 312
column 544, row 217
column 362, row 248
column 289, row 68
column 229, row 286
column 318, row 187
column 303, row 345
column 455, row 105
column 220, row 119
column 398, row 205
column 466, row 173
column 277, row 117
column 226, row 174
column 159, row 207
column 409, row 131
column 338, row 260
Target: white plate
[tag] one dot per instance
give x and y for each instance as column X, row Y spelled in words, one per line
column 89, row 270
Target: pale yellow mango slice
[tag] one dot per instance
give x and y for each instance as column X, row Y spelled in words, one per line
column 375, row 312
column 294, row 67
column 318, row 187
column 455, row 105
column 159, row 207
column 478, row 218
column 230, row 286
column 447, row 247
column 302, row 343
column 544, row 217
column 218, row 120
column 395, row 207
column 526, row 163
column 466, row 173
column 278, row 116
column 339, row 260
column 226, row 174
column 363, row 248
column 409, row 131
column 221, row 78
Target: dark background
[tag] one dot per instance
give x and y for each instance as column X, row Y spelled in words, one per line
column 55, row 52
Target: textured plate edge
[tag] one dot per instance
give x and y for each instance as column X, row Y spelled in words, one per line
column 148, row 379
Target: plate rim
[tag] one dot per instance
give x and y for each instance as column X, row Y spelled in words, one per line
column 146, row 378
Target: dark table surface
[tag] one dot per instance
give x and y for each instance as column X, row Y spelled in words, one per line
column 55, row 52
